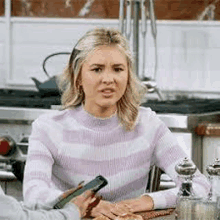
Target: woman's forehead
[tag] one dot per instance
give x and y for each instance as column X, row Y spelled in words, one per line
column 103, row 53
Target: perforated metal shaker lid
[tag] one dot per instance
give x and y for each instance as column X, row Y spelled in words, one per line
column 214, row 169
column 186, row 167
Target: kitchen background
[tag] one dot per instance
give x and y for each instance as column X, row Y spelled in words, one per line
column 187, row 54
column 188, row 48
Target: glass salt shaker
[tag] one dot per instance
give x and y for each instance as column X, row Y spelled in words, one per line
column 214, row 177
column 207, row 207
column 185, row 197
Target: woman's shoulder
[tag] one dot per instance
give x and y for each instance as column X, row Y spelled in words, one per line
column 148, row 116
column 146, row 113
column 55, row 116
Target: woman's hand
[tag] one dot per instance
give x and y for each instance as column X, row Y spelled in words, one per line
column 110, row 210
column 143, row 203
column 85, row 202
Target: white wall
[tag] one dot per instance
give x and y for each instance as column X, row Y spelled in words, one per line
column 211, row 150
column 2, row 52
column 188, row 52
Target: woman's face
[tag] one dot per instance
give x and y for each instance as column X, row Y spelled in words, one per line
column 104, row 78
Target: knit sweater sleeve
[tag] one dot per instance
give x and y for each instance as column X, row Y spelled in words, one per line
column 168, row 153
column 38, row 190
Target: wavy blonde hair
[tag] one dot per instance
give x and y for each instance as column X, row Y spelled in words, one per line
column 72, row 92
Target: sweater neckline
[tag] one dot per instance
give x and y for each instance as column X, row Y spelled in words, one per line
column 88, row 120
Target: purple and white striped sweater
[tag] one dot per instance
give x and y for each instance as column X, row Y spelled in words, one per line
column 69, row 146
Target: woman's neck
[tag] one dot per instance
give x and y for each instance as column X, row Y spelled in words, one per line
column 101, row 112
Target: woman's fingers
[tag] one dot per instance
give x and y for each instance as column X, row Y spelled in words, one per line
column 101, row 217
column 143, row 203
column 89, row 194
column 109, row 215
column 93, row 203
column 128, row 205
column 83, row 201
column 103, row 208
column 109, row 210
column 120, row 209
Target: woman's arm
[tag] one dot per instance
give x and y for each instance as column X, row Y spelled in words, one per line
column 143, row 203
column 38, row 190
column 167, row 154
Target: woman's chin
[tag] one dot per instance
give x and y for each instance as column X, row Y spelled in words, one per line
column 107, row 105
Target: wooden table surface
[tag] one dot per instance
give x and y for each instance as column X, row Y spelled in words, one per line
column 167, row 214
column 167, row 217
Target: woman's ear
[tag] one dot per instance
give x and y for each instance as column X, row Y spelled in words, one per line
column 79, row 82
column 79, row 79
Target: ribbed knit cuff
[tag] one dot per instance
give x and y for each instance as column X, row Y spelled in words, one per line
column 158, row 199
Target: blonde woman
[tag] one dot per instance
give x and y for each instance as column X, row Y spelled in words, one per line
column 103, row 130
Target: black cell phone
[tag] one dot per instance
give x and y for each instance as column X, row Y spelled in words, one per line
column 95, row 185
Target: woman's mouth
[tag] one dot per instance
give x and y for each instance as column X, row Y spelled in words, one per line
column 107, row 92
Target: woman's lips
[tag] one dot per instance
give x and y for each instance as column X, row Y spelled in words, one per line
column 107, row 92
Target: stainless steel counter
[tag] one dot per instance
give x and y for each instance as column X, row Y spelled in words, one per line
column 177, row 121
column 23, row 115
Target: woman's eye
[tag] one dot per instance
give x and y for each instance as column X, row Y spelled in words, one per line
column 97, row 70
column 118, row 69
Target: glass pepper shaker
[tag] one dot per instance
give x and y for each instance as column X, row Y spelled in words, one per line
column 185, row 197
column 186, row 169
column 214, row 177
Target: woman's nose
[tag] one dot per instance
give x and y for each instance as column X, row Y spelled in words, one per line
column 107, row 78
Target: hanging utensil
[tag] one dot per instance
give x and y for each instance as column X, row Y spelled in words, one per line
column 136, row 10
column 128, row 18
column 154, row 33
column 121, row 16
column 143, row 31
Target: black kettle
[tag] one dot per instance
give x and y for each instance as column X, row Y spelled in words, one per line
column 49, row 87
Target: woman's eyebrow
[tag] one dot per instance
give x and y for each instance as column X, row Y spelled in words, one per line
column 103, row 65
column 119, row 65
column 97, row 64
